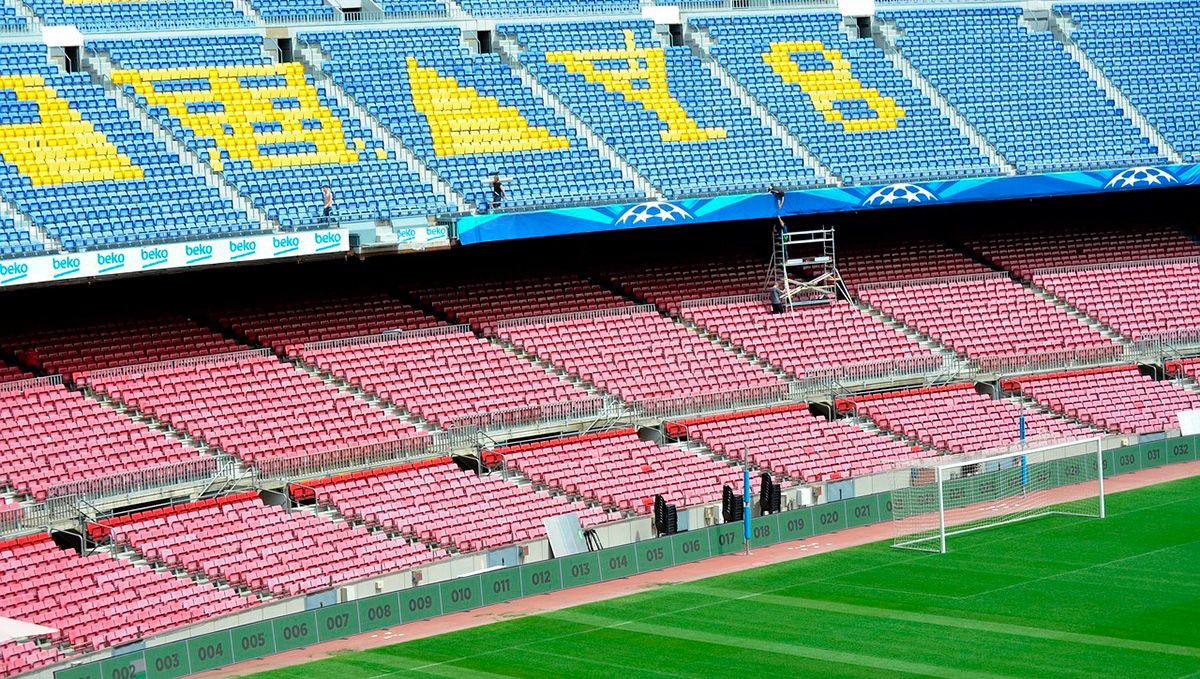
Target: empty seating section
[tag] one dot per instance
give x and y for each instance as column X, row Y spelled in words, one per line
column 79, row 167
column 287, row 325
column 51, row 435
column 484, row 300
column 1025, row 251
column 1187, row 367
column 293, row 10
column 669, row 284
column 82, row 344
column 842, row 98
column 1119, row 399
column 622, row 471
column 958, row 419
column 789, row 440
column 443, row 376
column 268, row 128
column 902, row 261
column 10, row 373
column 253, row 406
column 116, row 15
column 439, row 503
column 988, row 317
column 1136, row 301
column 97, row 601
column 638, row 355
column 1020, row 89
column 469, row 116
column 658, row 107
column 1146, row 49
column 239, row 539
column 15, row 240
column 10, row 20
column 808, row 338
column 19, row 657
column 515, row 8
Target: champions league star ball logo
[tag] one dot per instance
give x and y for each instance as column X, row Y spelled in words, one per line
column 657, row 212
column 900, row 194
column 1140, row 176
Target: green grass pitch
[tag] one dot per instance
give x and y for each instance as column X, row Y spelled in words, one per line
column 1052, row 597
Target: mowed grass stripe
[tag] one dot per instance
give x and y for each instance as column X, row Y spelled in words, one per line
column 1056, row 597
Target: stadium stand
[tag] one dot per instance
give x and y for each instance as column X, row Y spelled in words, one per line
column 101, row 340
column 1119, row 37
column 988, row 316
column 636, row 354
column 250, row 405
column 298, row 11
column 658, row 107
column 483, row 299
column 107, row 182
column 110, row 15
column 1021, row 89
column 444, row 374
column 842, row 98
column 437, row 502
column 287, row 324
column 11, row 373
column 10, row 20
column 97, row 601
column 1023, row 251
column 1118, row 398
column 239, row 539
column 872, row 262
column 667, row 284
column 808, row 338
column 468, row 116
column 790, row 440
column 958, row 419
column 268, row 128
column 19, row 657
column 622, row 471
column 513, row 8
column 17, row 241
column 1136, row 300
column 1187, row 367
column 51, row 435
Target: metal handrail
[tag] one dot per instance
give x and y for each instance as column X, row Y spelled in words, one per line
column 936, row 280
column 31, row 383
column 578, row 315
column 1105, row 266
column 309, row 465
column 138, row 368
column 539, row 413
column 385, row 337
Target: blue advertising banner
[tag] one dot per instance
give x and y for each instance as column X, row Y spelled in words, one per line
column 485, row 228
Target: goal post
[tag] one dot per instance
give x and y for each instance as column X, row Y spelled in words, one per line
column 957, row 494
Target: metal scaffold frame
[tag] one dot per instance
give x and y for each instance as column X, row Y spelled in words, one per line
column 805, row 265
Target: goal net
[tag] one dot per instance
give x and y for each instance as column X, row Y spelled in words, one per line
column 957, row 494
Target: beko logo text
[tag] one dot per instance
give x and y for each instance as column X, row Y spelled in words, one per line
column 286, row 242
column 153, row 254
column 198, row 250
column 243, row 246
column 110, row 259
column 66, row 263
column 14, row 269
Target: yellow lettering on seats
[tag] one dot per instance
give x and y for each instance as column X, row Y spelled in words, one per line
column 462, row 121
column 646, row 65
column 228, row 110
column 62, row 146
column 824, row 86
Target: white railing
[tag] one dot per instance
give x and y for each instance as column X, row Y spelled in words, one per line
column 760, row 297
column 385, row 337
column 868, row 371
column 1057, row 360
column 1106, row 266
column 578, row 315
column 160, row 476
column 1166, row 339
column 712, row 5
column 530, row 415
column 326, row 462
column 140, row 368
column 676, row 406
column 31, row 383
column 937, row 280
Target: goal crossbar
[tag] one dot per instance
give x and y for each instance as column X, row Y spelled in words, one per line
column 967, row 493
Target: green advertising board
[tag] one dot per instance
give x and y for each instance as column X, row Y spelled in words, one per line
column 580, row 569
column 726, row 538
column 540, row 577
column 208, row 651
column 419, row 603
column 618, row 562
column 295, row 630
column 377, row 612
column 335, row 622
column 461, row 594
column 829, row 517
column 500, row 585
column 690, row 546
column 653, row 554
column 168, row 661
column 253, row 641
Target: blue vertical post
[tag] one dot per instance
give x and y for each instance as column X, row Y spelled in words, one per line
column 1024, row 462
column 746, row 504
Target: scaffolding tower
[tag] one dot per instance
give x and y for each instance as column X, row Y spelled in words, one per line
column 805, row 265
